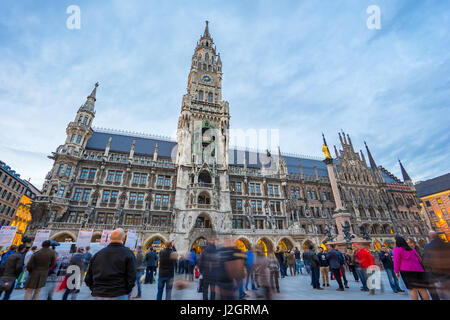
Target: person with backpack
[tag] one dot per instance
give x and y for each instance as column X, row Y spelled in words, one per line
column 11, row 269
column 350, row 259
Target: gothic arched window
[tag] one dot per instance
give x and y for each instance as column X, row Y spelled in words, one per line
column 210, row 97
column 200, row 95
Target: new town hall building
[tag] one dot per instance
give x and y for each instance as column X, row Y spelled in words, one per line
column 190, row 189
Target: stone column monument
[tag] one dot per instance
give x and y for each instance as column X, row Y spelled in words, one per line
column 341, row 215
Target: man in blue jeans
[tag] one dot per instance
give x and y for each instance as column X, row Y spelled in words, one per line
column 298, row 261
column 388, row 264
column 167, row 264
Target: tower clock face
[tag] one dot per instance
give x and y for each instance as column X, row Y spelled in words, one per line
column 206, row 78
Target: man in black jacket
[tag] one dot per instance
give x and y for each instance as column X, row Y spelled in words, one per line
column 311, row 258
column 167, row 264
column 12, row 268
column 335, row 265
column 386, row 258
column 208, row 265
column 112, row 271
column 151, row 262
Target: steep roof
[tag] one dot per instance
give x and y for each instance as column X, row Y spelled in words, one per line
column 432, row 186
column 145, row 145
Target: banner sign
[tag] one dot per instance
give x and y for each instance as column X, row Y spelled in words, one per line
column 131, row 239
column 7, row 234
column 84, row 238
column 106, row 237
column 41, row 236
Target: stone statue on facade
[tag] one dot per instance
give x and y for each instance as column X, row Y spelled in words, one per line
column 346, row 230
column 365, row 234
column 330, row 236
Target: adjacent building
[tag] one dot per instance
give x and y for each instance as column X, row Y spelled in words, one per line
column 12, row 188
column 434, row 197
column 196, row 186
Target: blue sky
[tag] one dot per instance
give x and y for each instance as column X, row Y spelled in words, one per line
column 303, row 67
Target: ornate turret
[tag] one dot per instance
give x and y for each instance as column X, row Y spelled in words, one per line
column 79, row 131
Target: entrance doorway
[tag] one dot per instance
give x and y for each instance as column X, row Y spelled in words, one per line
column 199, row 245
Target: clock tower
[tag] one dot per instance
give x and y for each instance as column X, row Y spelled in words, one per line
column 202, row 201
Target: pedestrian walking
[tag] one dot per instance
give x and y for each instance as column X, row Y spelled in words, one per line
column 290, row 259
column 342, row 269
column 324, row 267
column 151, row 262
column 77, row 260
column 364, row 260
column 335, row 265
column 350, row 259
column 437, row 260
column 298, row 260
column 112, row 272
column 11, row 269
column 386, row 259
column 140, row 269
column 208, row 265
column 167, row 264
column 281, row 258
column 38, row 266
column 231, row 270
column 274, row 273
column 249, row 261
column 407, row 263
column 311, row 258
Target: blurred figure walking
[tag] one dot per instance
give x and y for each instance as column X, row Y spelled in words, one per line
column 166, row 272
column 11, row 269
column 437, row 259
column 208, row 265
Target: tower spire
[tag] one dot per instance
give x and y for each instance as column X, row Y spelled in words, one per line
column 373, row 165
column 206, row 32
column 89, row 105
column 404, row 173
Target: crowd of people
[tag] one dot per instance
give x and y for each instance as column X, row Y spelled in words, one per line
column 223, row 271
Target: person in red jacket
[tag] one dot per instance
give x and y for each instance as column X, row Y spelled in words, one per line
column 365, row 260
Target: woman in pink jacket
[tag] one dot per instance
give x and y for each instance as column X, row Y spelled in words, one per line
column 407, row 263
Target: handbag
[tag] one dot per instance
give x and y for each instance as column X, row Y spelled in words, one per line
column 6, row 285
column 62, row 284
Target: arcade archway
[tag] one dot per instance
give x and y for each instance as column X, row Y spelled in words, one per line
column 285, row 244
column 265, row 246
column 63, row 237
column 155, row 242
column 243, row 244
column 199, row 244
column 306, row 244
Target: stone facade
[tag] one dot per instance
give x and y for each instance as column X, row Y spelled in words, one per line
column 197, row 186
